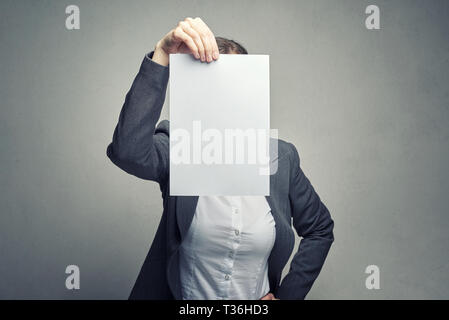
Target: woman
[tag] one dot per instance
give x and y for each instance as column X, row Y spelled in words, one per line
column 216, row 247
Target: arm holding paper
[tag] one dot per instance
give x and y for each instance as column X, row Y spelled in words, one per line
column 136, row 147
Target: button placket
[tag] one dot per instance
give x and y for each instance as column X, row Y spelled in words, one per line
column 236, row 216
column 234, row 242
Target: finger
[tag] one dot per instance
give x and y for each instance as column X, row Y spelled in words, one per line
column 184, row 37
column 196, row 38
column 215, row 50
column 267, row 297
column 205, row 35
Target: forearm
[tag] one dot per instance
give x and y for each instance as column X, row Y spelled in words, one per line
column 133, row 135
column 305, row 266
column 136, row 146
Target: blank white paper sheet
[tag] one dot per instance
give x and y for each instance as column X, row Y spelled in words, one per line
column 219, row 125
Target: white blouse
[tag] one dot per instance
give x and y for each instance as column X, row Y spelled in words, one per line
column 225, row 252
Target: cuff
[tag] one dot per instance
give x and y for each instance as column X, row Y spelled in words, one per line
column 153, row 69
column 149, row 56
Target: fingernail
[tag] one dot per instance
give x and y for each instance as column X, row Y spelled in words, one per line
column 215, row 55
column 197, row 55
column 203, row 57
column 209, row 58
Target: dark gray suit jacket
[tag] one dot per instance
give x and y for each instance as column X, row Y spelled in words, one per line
column 141, row 149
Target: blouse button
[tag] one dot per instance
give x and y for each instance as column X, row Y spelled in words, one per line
column 237, row 232
column 227, row 277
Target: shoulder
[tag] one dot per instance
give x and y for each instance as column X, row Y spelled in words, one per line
column 287, row 151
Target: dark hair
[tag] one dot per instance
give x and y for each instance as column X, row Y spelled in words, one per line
column 227, row 46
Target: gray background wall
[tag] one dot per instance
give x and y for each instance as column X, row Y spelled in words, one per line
column 368, row 111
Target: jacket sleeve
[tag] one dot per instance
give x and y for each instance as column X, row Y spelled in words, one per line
column 135, row 146
column 312, row 222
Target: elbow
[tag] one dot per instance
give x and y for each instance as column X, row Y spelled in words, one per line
column 118, row 157
column 329, row 230
column 138, row 167
column 110, row 152
column 122, row 161
column 324, row 229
